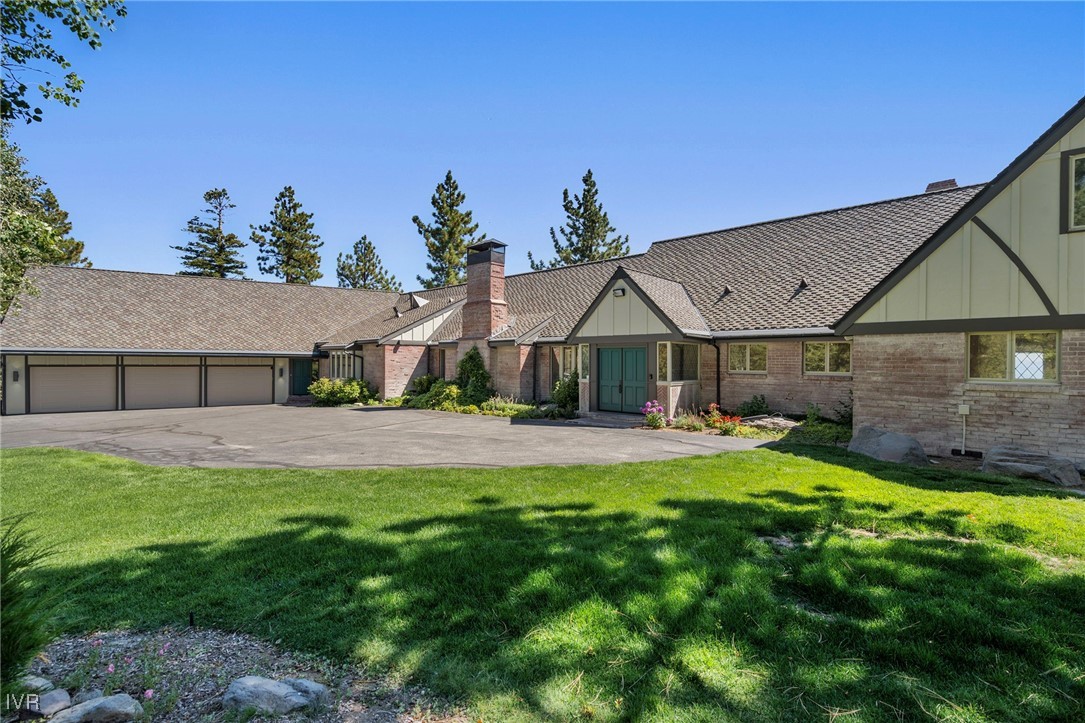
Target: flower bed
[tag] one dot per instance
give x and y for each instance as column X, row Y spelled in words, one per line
column 813, row 430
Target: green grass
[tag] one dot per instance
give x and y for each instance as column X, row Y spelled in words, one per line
column 636, row 592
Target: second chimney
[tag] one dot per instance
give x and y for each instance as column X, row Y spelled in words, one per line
column 485, row 310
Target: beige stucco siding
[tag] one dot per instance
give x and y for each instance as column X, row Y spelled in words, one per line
column 970, row 277
column 625, row 315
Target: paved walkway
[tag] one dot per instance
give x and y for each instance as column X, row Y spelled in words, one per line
column 275, row 436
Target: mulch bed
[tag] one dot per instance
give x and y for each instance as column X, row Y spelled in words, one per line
column 189, row 670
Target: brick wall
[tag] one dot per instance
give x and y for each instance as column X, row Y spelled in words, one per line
column 913, row 383
column 373, row 367
column 402, row 363
column 785, row 387
column 512, row 370
column 544, row 383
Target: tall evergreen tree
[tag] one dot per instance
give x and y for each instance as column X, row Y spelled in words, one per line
column 584, row 237
column 288, row 246
column 212, row 252
column 448, row 237
column 363, row 269
column 69, row 250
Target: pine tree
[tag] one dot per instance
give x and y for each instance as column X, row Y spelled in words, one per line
column 69, row 251
column 288, row 246
column 448, row 237
column 212, row 252
column 363, row 269
column 584, row 235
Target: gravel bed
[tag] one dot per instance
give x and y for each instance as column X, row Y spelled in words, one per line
column 187, row 672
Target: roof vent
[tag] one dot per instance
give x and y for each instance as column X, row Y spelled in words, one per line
column 417, row 302
column 398, row 312
column 802, row 284
column 941, row 185
column 726, row 292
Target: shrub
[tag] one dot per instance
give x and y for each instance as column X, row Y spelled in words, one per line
column 819, row 433
column 24, row 609
column 844, row 411
column 653, row 415
column 394, row 401
column 422, row 384
column 813, row 413
column 473, row 378
column 505, row 407
column 335, row 392
column 730, row 426
column 753, row 407
column 441, row 395
column 689, row 422
column 566, row 392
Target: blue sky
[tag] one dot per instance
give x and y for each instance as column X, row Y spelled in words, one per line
column 693, row 117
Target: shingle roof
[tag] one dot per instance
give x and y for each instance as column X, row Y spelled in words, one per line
column 566, row 293
column 398, row 317
column 840, row 254
column 671, row 298
column 98, row 309
column 522, row 327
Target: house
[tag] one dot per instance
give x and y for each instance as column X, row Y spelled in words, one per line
column 956, row 315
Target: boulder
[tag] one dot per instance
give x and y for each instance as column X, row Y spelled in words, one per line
column 264, row 696
column 84, row 695
column 318, row 695
column 1015, row 462
column 109, row 709
column 888, row 446
column 53, row 702
column 36, row 683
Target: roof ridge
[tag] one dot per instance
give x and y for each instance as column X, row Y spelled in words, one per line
column 796, row 217
column 654, row 276
column 575, row 266
column 83, row 269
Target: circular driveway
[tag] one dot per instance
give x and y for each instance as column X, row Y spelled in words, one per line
column 344, row 438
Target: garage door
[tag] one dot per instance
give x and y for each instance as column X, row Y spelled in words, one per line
column 161, row 387
column 239, row 385
column 72, row 389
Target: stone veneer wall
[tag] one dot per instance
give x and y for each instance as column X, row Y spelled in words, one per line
column 512, row 370
column 913, row 383
column 785, row 387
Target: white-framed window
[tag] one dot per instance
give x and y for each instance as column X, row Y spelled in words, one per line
column 585, row 362
column 826, row 357
column 1018, row 356
column 341, row 365
column 1077, row 193
column 747, row 358
column 565, row 358
column 678, row 362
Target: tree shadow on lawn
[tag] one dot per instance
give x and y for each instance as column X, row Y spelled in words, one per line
column 562, row 611
column 928, row 478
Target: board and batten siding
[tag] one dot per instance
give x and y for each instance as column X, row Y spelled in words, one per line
column 625, row 315
column 970, row 277
column 421, row 332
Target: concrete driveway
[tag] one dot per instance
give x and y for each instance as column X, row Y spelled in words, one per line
column 342, row 438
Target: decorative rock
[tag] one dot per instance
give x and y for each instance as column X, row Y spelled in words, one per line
column 85, row 695
column 36, row 683
column 110, row 709
column 889, row 446
column 263, row 695
column 318, row 695
column 53, row 701
column 1016, row 462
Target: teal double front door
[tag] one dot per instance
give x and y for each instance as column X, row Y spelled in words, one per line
column 623, row 378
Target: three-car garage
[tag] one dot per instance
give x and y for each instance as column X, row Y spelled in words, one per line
column 84, row 383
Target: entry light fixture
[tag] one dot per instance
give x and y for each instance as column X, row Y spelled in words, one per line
column 281, row 372
column 14, row 375
column 619, row 292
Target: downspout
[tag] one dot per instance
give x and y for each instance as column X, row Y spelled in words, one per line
column 535, row 373
column 719, row 370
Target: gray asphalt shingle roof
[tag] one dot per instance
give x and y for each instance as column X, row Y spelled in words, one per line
column 98, row 309
column 840, row 255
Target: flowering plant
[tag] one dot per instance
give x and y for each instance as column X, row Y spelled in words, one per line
column 654, row 416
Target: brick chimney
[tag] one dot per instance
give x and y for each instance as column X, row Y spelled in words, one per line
column 945, row 185
column 485, row 310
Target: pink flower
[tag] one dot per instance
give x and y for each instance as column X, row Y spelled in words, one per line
column 110, row 668
column 97, row 643
column 149, row 693
column 128, row 660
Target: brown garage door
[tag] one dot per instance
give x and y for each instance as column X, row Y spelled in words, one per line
column 72, row 388
column 230, row 385
column 161, row 387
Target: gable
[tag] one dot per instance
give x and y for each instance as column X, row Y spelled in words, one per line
column 626, row 315
column 1009, row 259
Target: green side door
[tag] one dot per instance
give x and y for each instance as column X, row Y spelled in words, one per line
column 610, row 380
column 301, row 375
column 634, row 378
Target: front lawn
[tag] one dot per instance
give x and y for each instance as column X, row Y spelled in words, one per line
column 798, row 584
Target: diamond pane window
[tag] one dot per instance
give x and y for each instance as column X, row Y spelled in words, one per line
column 1027, row 356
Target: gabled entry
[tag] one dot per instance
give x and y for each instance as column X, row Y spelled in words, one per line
column 623, row 378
